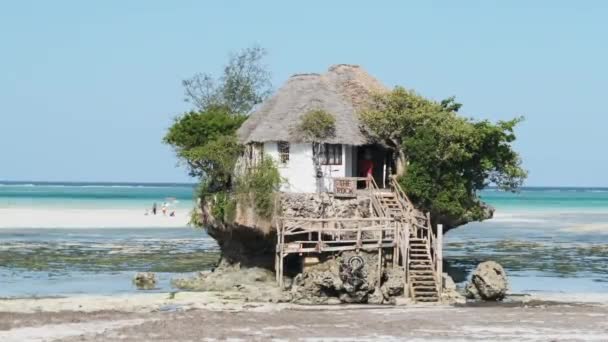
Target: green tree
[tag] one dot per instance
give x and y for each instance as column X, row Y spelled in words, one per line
column 206, row 143
column 446, row 158
column 204, row 139
column 244, row 83
column 317, row 126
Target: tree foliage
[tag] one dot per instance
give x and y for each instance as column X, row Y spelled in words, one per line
column 244, row 83
column 448, row 157
column 258, row 187
column 317, row 125
column 205, row 141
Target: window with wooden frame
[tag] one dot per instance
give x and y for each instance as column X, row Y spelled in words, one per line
column 331, row 154
column 283, row 148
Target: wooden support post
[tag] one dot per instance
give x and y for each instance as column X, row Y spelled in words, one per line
column 439, row 249
column 396, row 236
column 406, row 260
column 379, row 265
column 277, row 249
column 281, row 261
column 358, row 237
column 380, row 253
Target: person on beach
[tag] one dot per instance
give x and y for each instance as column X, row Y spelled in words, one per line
column 154, row 208
column 164, row 208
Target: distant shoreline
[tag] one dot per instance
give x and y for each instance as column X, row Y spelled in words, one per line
column 89, row 218
column 58, row 183
column 194, row 184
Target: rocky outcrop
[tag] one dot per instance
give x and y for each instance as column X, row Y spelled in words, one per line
column 145, row 280
column 450, row 223
column 322, row 205
column 254, row 284
column 488, row 282
column 347, row 278
column 250, row 241
column 450, row 294
column 248, row 251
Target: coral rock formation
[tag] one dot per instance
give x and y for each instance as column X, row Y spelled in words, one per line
column 489, row 282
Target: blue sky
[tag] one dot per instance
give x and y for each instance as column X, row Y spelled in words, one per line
column 87, row 89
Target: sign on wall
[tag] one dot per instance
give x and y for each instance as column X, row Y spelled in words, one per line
column 345, row 187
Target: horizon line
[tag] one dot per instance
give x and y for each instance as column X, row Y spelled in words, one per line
column 18, row 182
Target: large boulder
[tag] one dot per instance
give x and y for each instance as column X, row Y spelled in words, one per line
column 488, row 282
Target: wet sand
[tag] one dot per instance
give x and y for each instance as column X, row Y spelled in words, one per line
column 195, row 317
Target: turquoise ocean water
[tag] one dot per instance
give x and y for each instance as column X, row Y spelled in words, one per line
column 548, row 239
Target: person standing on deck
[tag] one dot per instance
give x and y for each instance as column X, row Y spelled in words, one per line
column 366, row 165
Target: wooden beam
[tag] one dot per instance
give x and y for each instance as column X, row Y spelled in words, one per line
column 440, row 256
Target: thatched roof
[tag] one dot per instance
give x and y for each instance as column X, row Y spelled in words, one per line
column 342, row 91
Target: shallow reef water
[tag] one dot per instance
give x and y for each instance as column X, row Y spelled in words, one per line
column 547, row 239
column 47, row 262
column 540, row 250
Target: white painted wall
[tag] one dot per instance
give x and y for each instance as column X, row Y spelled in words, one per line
column 299, row 171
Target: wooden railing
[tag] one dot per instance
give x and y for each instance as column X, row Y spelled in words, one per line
column 307, row 235
column 422, row 228
column 374, row 192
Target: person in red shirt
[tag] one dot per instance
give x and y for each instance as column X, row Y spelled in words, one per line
column 366, row 168
column 366, row 165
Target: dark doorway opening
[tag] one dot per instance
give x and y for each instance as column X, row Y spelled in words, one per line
column 375, row 160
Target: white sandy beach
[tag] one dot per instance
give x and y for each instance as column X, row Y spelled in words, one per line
column 88, row 218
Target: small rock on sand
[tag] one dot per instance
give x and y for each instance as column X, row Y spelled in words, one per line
column 145, row 280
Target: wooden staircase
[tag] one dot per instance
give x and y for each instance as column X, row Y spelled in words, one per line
column 421, row 275
column 422, row 263
column 391, row 205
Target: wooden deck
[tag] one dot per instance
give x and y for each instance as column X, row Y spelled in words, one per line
column 395, row 229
